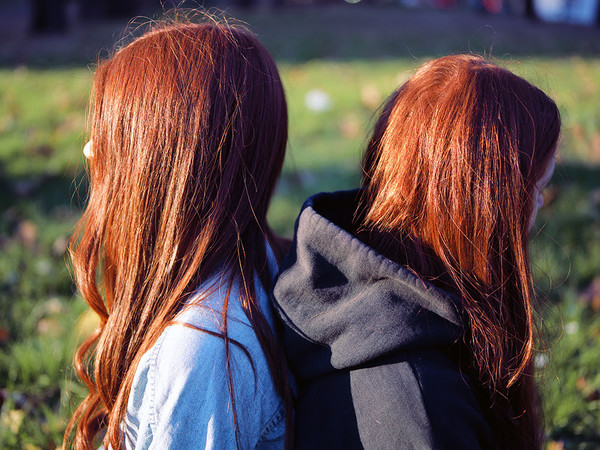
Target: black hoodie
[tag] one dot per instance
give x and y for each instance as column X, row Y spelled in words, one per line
column 372, row 345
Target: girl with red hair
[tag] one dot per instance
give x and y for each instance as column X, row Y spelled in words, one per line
column 174, row 253
column 409, row 303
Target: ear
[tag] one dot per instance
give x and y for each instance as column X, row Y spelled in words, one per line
column 88, row 150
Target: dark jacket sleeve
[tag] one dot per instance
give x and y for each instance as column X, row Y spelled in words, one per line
column 414, row 400
column 455, row 415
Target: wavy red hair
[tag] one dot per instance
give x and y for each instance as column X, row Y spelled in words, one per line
column 189, row 129
column 449, row 178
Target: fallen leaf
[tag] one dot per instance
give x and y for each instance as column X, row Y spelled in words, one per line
column 13, row 420
column 556, row 445
column 4, row 334
column 591, row 295
column 60, row 246
column 370, row 97
column 27, row 234
column 49, row 327
column 350, row 127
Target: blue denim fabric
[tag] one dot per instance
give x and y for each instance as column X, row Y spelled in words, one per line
column 180, row 396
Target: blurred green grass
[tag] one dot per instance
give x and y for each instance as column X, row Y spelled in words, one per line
column 350, row 60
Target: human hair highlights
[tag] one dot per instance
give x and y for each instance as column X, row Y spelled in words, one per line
column 188, row 129
column 449, row 178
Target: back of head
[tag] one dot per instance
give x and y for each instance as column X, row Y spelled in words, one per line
column 462, row 142
column 188, row 131
column 449, row 180
column 189, row 128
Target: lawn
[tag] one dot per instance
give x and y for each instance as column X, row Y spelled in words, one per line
column 338, row 65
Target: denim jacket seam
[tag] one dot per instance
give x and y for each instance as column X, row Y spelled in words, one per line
column 275, row 419
column 152, row 375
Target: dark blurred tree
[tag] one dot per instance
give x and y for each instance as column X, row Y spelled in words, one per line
column 530, row 10
column 120, row 9
column 49, row 16
column 92, row 10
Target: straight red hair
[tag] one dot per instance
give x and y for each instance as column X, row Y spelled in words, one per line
column 449, row 178
column 189, row 129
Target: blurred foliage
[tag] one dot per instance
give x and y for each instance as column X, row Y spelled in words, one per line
column 338, row 67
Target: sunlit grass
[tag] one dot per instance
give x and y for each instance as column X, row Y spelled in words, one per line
column 42, row 122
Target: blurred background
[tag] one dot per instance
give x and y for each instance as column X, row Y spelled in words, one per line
column 339, row 60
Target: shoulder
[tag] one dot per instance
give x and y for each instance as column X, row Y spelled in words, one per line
column 416, row 399
column 425, row 391
column 450, row 402
column 181, row 394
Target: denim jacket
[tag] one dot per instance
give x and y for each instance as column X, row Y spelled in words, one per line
column 180, row 396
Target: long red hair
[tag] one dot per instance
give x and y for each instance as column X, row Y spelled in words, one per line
column 449, row 178
column 189, row 129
